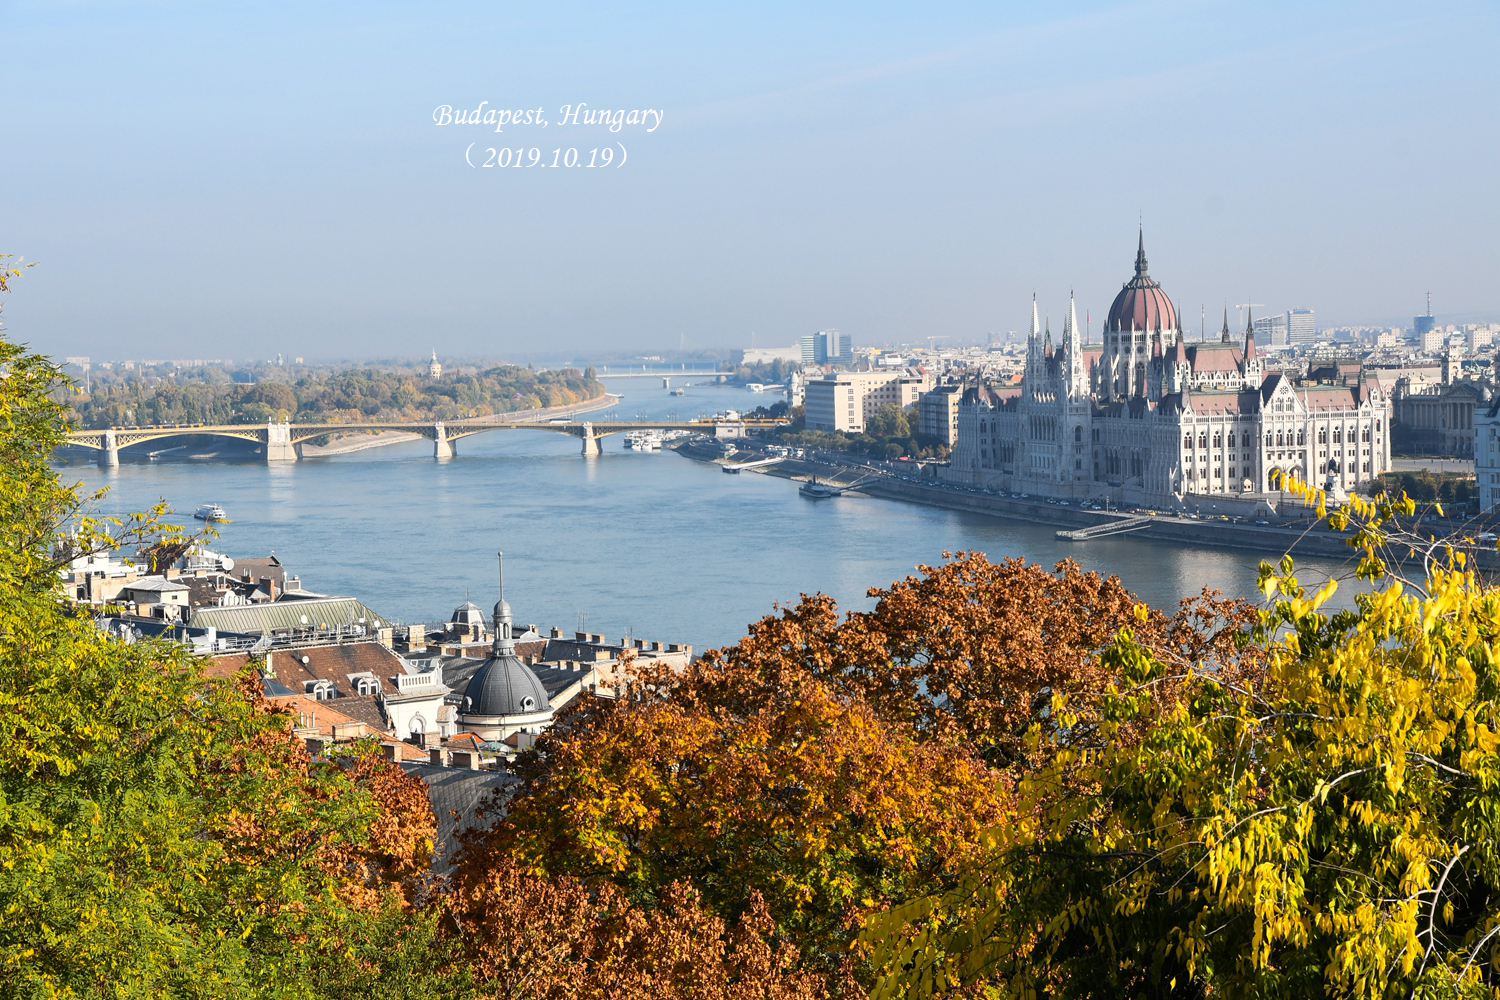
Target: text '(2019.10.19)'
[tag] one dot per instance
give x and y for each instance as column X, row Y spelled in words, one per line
column 601, row 156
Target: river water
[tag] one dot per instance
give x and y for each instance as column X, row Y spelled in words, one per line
column 648, row 544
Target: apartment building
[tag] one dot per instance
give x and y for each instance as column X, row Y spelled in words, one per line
column 845, row 401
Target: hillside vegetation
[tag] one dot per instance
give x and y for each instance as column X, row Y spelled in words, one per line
column 340, row 397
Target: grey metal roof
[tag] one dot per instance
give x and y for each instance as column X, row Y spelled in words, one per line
column 287, row 616
column 157, row 584
column 503, row 685
column 458, row 798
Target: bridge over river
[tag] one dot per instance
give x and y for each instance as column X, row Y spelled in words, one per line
column 280, row 441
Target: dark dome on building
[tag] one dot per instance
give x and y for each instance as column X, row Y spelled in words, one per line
column 503, row 685
column 1141, row 304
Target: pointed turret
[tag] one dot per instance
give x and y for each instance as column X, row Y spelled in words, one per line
column 1047, row 341
column 1078, row 385
column 504, row 644
column 1255, row 372
column 1140, row 255
column 1224, row 335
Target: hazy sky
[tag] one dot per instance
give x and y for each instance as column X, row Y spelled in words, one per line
column 203, row 180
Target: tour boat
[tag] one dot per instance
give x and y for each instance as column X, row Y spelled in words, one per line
column 816, row 490
column 679, row 392
column 211, row 512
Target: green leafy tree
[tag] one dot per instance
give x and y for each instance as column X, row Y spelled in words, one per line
column 162, row 834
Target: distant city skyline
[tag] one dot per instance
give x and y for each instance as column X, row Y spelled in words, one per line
column 233, row 181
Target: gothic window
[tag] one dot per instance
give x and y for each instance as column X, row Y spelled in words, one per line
column 1338, row 435
column 1203, row 440
column 1078, row 434
column 1366, row 434
column 1270, row 439
column 1218, row 440
column 1302, row 437
column 1322, row 435
column 1187, row 441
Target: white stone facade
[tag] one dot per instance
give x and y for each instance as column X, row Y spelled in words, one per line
column 1148, row 418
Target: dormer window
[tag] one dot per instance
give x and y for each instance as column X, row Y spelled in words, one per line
column 366, row 686
column 322, row 690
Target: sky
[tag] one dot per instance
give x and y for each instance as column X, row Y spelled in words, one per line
column 236, row 180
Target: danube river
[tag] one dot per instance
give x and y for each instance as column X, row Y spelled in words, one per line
column 648, row 544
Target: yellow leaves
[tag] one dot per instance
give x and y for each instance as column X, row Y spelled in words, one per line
column 1324, row 593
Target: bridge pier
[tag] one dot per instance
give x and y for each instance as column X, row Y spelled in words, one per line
column 109, row 451
column 590, row 442
column 441, row 446
column 279, row 447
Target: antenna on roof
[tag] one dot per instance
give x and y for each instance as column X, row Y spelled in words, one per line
column 501, row 557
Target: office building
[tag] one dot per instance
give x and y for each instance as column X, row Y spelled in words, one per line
column 1271, row 330
column 1300, row 328
column 827, row 347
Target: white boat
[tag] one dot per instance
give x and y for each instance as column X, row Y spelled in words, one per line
column 815, row 490
column 212, row 513
column 679, row 392
column 643, row 441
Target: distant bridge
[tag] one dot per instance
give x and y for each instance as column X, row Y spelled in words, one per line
column 281, row 442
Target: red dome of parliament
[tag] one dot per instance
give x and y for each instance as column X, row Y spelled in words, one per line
column 1141, row 304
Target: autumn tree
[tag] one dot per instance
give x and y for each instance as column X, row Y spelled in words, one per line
column 972, row 652
column 556, row 938
column 1328, row 828
column 809, row 801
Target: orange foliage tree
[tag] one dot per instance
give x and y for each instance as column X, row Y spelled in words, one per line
column 810, row 801
column 972, row 651
column 554, row 938
column 832, row 765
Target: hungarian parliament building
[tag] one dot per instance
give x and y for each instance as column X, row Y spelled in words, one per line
column 1148, row 418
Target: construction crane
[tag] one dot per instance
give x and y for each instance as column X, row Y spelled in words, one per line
column 1242, row 306
column 931, row 339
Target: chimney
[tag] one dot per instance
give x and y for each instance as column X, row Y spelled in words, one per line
column 437, row 756
column 390, row 751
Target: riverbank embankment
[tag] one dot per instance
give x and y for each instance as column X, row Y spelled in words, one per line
column 1305, row 538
